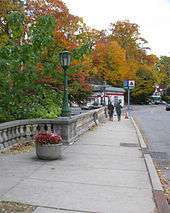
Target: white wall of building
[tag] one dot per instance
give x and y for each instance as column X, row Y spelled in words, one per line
column 112, row 97
column 115, row 98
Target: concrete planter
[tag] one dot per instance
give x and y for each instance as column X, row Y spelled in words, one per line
column 48, row 151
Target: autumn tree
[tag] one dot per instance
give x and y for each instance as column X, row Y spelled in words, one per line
column 7, row 6
column 70, row 33
column 144, row 86
column 67, row 25
column 164, row 64
column 128, row 36
column 110, row 60
column 23, row 93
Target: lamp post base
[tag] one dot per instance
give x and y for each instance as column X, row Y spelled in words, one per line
column 65, row 113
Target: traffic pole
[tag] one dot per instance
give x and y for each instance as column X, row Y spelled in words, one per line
column 128, row 100
column 126, row 115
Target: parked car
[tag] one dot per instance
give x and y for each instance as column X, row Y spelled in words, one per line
column 90, row 107
column 167, row 107
column 87, row 107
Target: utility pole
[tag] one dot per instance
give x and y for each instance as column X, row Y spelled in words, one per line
column 128, row 100
column 129, row 84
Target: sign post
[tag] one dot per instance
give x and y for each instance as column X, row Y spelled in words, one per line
column 129, row 84
column 128, row 99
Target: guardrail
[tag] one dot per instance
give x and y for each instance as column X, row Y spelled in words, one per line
column 68, row 127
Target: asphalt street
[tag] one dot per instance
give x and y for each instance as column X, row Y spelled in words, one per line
column 154, row 123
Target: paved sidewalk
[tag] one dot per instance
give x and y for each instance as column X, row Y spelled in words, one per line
column 104, row 172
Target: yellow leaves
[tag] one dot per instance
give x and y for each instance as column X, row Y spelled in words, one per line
column 19, row 147
column 167, row 194
column 151, row 59
column 165, row 185
column 116, row 53
column 110, row 60
column 160, row 77
column 6, row 6
column 39, row 67
column 3, row 39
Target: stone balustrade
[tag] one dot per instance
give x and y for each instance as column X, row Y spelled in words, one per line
column 68, row 127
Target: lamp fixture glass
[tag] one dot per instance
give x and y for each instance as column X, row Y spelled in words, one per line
column 65, row 58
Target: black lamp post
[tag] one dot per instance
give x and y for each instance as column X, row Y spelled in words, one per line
column 65, row 60
column 104, row 91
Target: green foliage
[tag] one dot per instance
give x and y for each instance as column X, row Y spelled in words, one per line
column 164, row 64
column 23, row 93
column 43, row 103
column 166, row 98
column 144, row 86
column 41, row 32
column 78, row 94
column 6, row 9
column 168, row 91
column 15, row 22
column 82, row 50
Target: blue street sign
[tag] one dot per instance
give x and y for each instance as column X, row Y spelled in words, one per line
column 126, row 84
column 129, row 84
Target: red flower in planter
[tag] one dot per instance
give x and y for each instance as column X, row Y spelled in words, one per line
column 45, row 138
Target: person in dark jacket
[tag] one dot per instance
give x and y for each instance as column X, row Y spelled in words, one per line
column 118, row 110
column 110, row 111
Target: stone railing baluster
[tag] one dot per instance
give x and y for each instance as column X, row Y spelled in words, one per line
column 49, row 128
column 42, row 127
column 10, row 142
column 28, row 131
column 22, row 133
column 17, row 132
column 1, row 140
column 31, row 130
column 10, row 133
column 5, row 138
column 13, row 133
column 69, row 128
column 34, row 129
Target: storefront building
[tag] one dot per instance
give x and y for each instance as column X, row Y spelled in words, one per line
column 103, row 94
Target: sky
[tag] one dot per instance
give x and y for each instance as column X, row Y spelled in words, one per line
column 153, row 17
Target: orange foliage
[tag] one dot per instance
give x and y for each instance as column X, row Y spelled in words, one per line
column 82, row 79
column 39, row 67
column 151, row 59
column 110, row 60
column 67, row 24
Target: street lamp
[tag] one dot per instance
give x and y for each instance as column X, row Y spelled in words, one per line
column 104, row 90
column 65, row 60
column 103, row 97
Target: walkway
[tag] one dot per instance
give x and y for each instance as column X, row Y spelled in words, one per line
column 104, row 172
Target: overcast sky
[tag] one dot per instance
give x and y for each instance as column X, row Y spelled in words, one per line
column 153, row 17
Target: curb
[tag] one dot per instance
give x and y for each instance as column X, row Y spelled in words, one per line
column 157, row 189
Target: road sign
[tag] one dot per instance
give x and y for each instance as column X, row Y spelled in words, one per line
column 126, row 84
column 131, row 84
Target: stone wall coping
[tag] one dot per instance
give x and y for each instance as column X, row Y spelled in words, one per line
column 59, row 120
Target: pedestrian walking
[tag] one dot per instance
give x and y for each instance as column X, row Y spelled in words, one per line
column 110, row 111
column 118, row 110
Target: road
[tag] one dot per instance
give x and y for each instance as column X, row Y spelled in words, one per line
column 154, row 123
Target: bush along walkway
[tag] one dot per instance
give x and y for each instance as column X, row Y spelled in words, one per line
column 104, row 171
